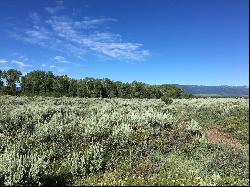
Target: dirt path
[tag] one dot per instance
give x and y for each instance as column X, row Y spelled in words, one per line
column 218, row 137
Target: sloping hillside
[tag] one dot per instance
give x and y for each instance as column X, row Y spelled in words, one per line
column 216, row 90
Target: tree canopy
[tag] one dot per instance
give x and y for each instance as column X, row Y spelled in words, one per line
column 11, row 76
column 44, row 83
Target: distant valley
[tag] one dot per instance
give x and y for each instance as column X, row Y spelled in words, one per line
column 223, row 90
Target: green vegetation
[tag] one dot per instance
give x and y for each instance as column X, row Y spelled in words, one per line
column 166, row 100
column 12, row 77
column 1, row 82
column 41, row 83
column 91, row 141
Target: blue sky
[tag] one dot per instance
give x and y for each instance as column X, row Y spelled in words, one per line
column 203, row 42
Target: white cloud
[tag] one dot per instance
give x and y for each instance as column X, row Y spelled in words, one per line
column 44, row 65
column 58, row 69
column 79, row 37
column 39, row 35
column 61, row 59
column 23, row 58
column 20, row 64
column 89, row 23
column 3, row 61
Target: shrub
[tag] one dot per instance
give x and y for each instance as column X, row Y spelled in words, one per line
column 67, row 141
column 167, row 100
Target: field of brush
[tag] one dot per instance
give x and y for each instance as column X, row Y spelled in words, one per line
column 75, row 141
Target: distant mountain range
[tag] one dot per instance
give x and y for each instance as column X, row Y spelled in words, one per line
column 216, row 90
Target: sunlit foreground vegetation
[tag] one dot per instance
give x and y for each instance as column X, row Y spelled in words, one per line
column 77, row 141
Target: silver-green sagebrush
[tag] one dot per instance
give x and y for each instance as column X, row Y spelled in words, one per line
column 76, row 141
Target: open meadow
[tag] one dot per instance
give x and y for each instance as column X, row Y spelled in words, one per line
column 124, row 93
column 80, row 141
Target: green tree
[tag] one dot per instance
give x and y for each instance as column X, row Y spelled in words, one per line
column 110, row 90
column 136, row 89
column 90, row 87
column 12, row 76
column 187, row 95
column 73, row 84
column 49, row 78
column 98, row 88
column 1, row 82
column 120, row 89
column 166, row 100
column 81, row 88
column 61, row 86
column 34, row 83
column 46, row 83
column 171, row 91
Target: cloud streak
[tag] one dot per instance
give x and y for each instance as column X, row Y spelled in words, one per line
column 20, row 64
column 78, row 37
column 61, row 59
column 52, row 66
column 3, row 61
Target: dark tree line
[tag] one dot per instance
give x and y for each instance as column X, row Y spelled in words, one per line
column 44, row 83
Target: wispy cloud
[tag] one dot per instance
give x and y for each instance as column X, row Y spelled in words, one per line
column 52, row 66
column 61, row 59
column 56, row 9
column 17, row 60
column 20, row 64
column 3, row 61
column 78, row 37
column 23, row 58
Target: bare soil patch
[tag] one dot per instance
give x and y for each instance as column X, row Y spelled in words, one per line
column 219, row 137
